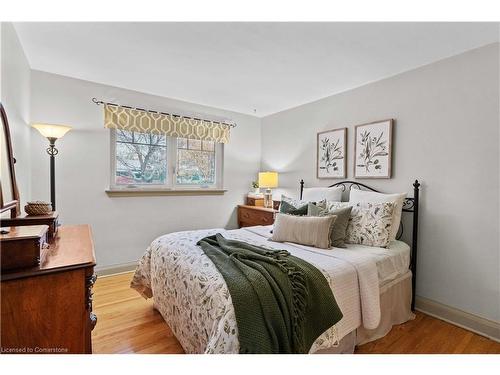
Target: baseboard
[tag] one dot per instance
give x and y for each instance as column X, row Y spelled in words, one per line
column 115, row 269
column 474, row 323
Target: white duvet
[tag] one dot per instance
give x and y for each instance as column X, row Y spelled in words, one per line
column 193, row 298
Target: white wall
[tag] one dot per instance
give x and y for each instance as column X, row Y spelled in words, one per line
column 446, row 135
column 15, row 94
column 124, row 226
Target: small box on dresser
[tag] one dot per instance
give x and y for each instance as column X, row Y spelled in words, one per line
column 52, row 220
column 21, row 246
column 252, row 201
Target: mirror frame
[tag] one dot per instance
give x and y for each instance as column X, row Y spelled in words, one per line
column 12, row 205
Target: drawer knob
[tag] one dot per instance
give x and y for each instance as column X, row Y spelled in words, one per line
column 90, row 281
column 93, row 321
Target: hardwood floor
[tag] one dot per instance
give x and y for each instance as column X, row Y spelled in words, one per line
column 428, row 335
column 127, row 323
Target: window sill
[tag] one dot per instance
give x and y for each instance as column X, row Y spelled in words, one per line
column 157, row 192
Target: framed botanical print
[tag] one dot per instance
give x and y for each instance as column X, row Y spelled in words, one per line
column 331, row 154
column 373, row 150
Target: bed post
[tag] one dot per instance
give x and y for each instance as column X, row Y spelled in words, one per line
column 416, row 186
column 301, row 188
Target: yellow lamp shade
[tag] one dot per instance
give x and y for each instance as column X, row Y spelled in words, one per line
column 268, row 180
column 51, row 130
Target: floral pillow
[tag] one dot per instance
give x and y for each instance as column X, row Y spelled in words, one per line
column 293, row 206
column 332, row 205
column 287, row 208
column 292, row 201
column 370, row 223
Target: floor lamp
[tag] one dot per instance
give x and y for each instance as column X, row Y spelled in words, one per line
column 52, row 133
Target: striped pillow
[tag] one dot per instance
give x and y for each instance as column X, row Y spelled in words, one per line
column 305, row 230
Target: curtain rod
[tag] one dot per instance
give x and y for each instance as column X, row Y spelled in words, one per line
column 99, row 102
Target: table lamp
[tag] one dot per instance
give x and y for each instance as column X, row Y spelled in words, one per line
column 268, row 180
column 52, row 133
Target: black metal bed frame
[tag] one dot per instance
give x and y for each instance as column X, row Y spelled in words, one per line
column 409, row 205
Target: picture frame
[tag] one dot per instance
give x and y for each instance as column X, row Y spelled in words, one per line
column 373, row 149
column 331, row 154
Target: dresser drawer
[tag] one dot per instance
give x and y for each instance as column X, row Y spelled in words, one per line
column 253, row 216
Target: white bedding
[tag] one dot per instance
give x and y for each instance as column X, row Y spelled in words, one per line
column 392, row 262
column 193, row 298
column 388, row 263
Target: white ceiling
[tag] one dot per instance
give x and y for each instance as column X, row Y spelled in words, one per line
column 268, row 67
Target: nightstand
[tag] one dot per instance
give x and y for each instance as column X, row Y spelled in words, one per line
column 249, row 216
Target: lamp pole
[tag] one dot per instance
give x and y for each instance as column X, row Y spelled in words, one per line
column 52, row 132
column 52, row 151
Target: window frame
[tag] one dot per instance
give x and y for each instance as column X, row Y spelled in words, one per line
column 171, row 184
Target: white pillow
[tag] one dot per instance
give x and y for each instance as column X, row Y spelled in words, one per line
column 316, row 194
column 362, row 196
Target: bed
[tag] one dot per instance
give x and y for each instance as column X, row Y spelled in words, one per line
column 373, row 286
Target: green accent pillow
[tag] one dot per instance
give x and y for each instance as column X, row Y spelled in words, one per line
column 339, row 226
column 287, row 208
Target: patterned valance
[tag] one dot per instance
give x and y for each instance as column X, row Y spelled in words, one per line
column 132, row 119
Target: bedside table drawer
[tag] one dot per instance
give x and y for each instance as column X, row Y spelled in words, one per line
column 251, row 216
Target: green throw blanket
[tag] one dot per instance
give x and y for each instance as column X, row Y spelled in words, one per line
column 282, row 303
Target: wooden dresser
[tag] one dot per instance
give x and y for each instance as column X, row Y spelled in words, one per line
column 48, row 308
column 249, row 216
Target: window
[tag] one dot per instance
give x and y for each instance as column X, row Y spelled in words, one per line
column 195, row 162
column 144, row 161
column 141, row 158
